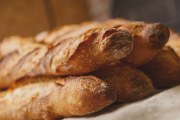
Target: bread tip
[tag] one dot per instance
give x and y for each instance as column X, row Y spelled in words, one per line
column 158, row 35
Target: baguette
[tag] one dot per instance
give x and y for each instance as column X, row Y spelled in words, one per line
column 129, row 83
column 149, row 38
column 73, row 56
column 164, row 69
column 47, row 98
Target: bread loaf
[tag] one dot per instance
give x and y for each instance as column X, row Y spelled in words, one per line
column 129, row 83
column 73, row 56
column 46, row 98
column 164, row 69
column 149, row 38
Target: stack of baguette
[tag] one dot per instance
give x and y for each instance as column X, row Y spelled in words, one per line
column 77, row 70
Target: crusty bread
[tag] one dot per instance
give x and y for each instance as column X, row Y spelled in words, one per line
column 149, row 38
column 73, row 56
column 46, row 98
column 129, row 83
column 37, row 69
column 164, row 68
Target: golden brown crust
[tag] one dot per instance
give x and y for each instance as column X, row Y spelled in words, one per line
column 46, row 98
column 73, row 56
column 129, row 83
column 164, row 69
column 149, row 38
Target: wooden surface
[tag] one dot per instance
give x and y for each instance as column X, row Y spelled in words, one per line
column 69, row 11
column 29, row 17
column 22, row 18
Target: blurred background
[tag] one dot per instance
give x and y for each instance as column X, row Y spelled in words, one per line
column 29, row 17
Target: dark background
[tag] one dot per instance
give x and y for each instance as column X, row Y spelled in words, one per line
column 165, row 11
